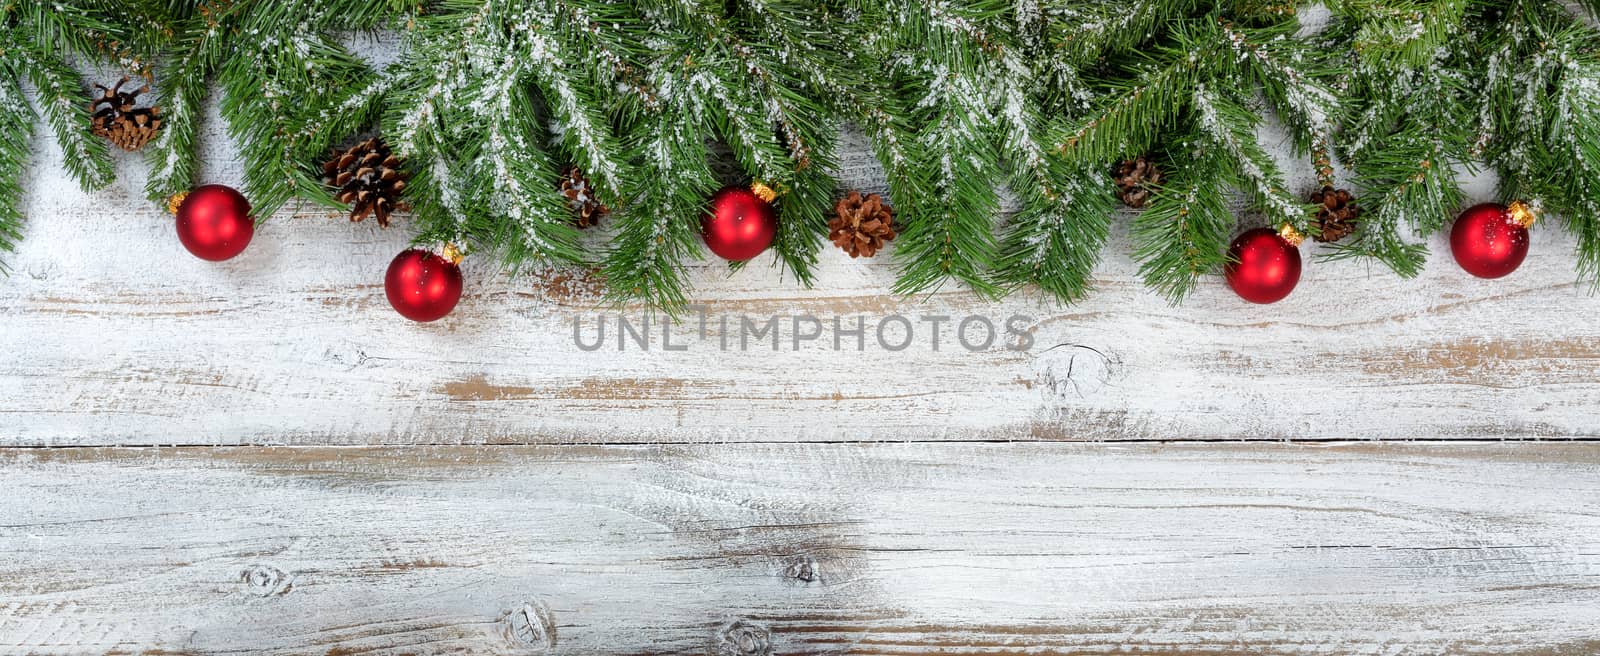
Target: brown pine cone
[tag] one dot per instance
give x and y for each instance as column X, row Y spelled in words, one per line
column 116, row 116
column 367, row 177
column 1137, row 179
column 575, row 186
column 1338, row 214
column 861, row 224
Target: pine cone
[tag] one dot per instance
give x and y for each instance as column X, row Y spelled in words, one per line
column 1337, row 217
column 861, row 224
column 116, row 116
column 1137, row 179
column 580, row 197
column 367, row 176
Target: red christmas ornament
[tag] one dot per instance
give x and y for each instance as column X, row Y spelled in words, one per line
column 422, row 286
column 214, row 222
column 1263, row 266
column 740, row 222
column 1491, row 240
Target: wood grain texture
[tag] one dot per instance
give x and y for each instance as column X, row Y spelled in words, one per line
column 804, row 549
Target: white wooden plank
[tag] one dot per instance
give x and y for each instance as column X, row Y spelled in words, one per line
column 804, row 549
column 114, row 335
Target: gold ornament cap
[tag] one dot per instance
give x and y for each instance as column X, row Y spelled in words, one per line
column 1289, row 234
column 761, row 189
column 454, row 254
column 1521, row 214
column 175, row 201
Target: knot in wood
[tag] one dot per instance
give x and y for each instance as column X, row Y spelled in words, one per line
column 530, row 626
column 1074, row 370
column 741, row 638
column 266, row 581
column 802, row 570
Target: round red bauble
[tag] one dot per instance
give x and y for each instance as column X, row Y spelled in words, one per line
column 422, row 286
column 1489, row 241
column 739, row 224
column 1263, row 267
column 214, row 222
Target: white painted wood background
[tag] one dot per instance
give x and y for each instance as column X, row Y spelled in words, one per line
column 260, row 457
column 805, row 549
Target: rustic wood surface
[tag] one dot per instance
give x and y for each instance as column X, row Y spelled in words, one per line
column 804, row 549
column 351, row 483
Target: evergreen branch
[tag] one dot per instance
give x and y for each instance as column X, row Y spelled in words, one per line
column 184, row 63
column 1520, row 81
column 592, row 27
column 584, row 131
column 1575, row 137
column 741, row 121
column 1412, row 130
column 790, row 57
column 514, row 175
column 1543, row 81
column 282, row 77
column 438, row 200
column 1379, row 241
column 1231, row 128
column 16, row 135
column 944, row 188
column 1184, row 232
column 1071, row 36
column 172, row 153
column 424, row 96
column 61, row 95
column 271, row 96
column 493, row 97
column 1084, row 31
column 1408, row 31
column 1127, row 122
column 1417, row 187
column 803, row 215
column 325, row 126
column 1279, row 67
column 85, row 27
column 430, row 83
column 734, row 76
column 1424, row 190
column 948, row 204
column 577, row 113
column 661, row 228
column 1055, row 240
column 807, row 146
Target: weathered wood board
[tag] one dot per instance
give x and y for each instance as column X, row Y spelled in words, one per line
column 486, row 485
column 114, row 335
column 804, row 549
